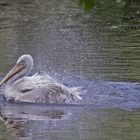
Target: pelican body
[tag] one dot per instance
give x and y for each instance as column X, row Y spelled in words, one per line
column 18, row 86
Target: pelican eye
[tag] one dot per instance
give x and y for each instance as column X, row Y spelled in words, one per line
column 22, row 63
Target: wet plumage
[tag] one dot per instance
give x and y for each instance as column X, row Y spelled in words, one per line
column 17, row 86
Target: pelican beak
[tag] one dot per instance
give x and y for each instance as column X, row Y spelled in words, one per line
column 16, row 69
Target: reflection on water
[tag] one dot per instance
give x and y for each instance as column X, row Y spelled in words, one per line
column 77, row 47
column 18, row 118
column 71, row 122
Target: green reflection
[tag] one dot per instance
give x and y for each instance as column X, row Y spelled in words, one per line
column 4, row 133
column 87, row 4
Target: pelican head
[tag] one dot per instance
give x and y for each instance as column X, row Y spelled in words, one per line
column 22, row 67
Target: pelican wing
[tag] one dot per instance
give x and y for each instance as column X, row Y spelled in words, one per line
column 44, row 89
column 29, row 83
column 50, row 93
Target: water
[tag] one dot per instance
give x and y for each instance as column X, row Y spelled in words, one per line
column 70, row 122
column 97, row 49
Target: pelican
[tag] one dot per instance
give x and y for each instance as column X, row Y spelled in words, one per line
column 18, row 86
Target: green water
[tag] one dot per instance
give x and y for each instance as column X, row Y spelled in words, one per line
column 82, row 44
column 64, row 38
column 60, row 123
column 4, row 133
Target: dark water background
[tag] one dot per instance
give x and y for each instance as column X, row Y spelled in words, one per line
column 98, row 49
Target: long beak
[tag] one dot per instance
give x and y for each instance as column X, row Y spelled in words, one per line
column 16, row 69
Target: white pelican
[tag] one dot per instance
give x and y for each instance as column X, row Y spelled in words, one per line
column 17, row 86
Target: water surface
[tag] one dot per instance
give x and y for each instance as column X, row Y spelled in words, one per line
column 98, row 49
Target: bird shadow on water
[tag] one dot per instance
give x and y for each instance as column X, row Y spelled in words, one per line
column 21, row 118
